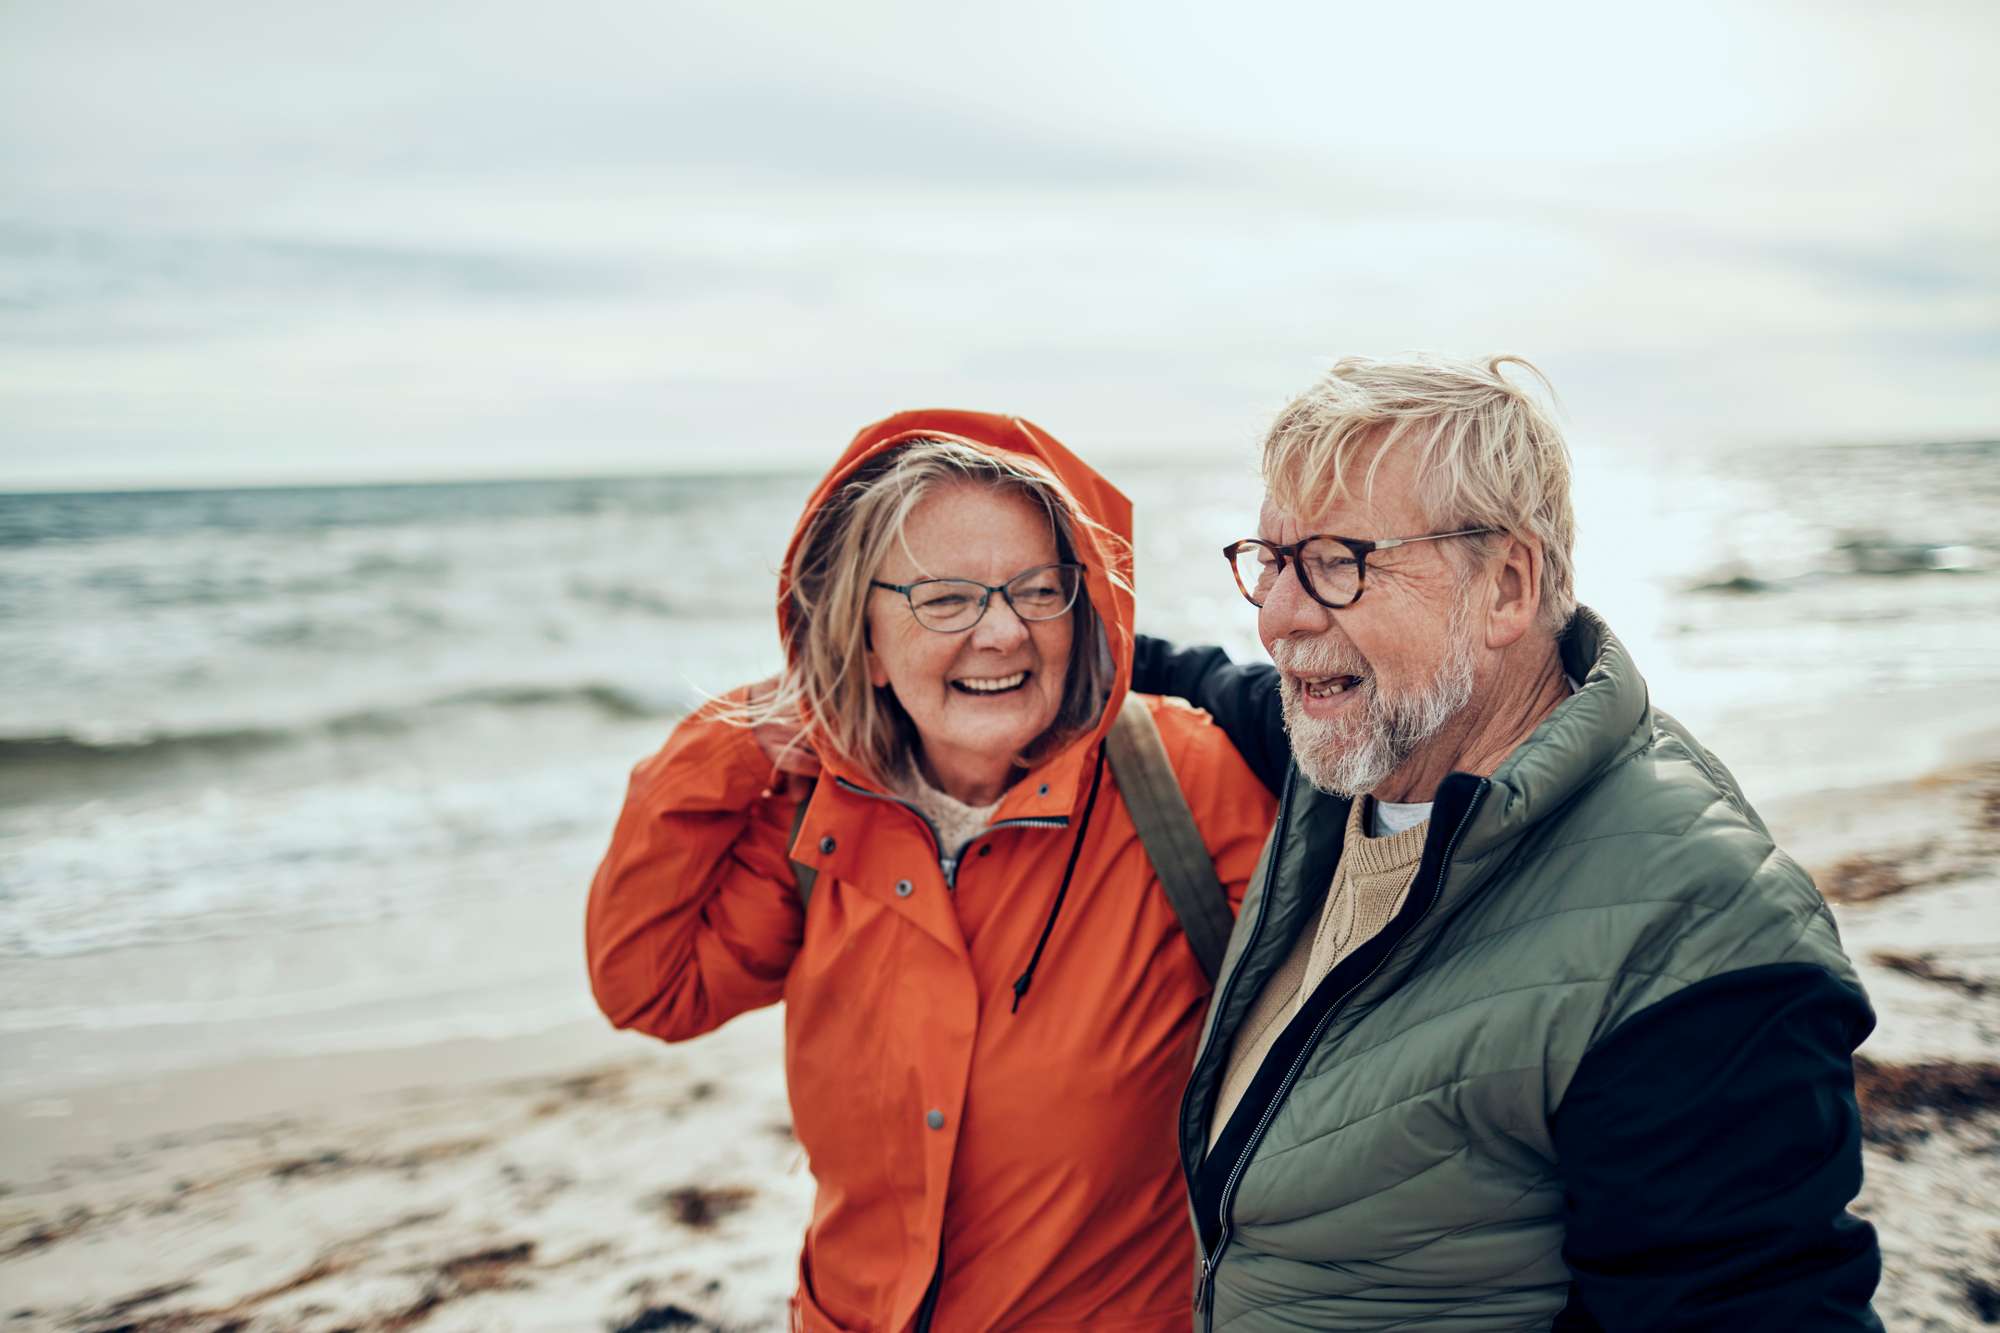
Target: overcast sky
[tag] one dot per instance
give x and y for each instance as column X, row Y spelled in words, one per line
column 304, row 241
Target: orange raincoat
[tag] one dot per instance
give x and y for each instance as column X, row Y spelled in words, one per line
column 1027, row 1159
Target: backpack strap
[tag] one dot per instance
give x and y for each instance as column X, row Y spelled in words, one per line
column 1167, row 830
column 803, row 875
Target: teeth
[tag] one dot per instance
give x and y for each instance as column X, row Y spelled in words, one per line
column 1326, row 689
column 992, row 684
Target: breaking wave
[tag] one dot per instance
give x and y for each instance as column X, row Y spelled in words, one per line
column 1860, row 557
column 78, row 749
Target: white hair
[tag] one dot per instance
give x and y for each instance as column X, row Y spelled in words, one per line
column 1487, row 455
column 1352, row 757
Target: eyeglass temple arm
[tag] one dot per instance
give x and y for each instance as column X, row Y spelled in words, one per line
column 1392, row 543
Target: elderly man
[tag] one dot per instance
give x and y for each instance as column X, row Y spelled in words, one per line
column 1526, row 1024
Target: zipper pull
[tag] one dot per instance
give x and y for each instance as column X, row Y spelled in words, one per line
column 949, row 864
column 1204, row 1300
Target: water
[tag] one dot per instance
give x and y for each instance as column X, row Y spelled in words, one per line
column 295, row 769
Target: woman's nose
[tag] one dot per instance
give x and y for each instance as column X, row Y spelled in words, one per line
column 1000, row 628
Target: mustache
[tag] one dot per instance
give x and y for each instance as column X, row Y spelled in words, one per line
column 1316, row 659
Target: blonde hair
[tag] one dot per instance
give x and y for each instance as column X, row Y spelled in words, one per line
column 1487, row 454
column 825, row 683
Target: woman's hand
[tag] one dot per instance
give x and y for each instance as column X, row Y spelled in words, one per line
column 782, row 740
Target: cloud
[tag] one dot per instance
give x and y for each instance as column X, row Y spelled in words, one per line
column 600, row 234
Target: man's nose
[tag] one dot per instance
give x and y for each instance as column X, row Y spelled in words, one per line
column 1289, row 612
column 1001, row 628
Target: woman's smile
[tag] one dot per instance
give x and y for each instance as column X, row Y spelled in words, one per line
column 991, row 685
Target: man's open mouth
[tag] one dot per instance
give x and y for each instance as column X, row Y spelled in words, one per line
column 991, row 684
column 1328, row 686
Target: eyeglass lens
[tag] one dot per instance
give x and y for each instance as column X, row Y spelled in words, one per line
column 1327, row 568
column 1036, row 594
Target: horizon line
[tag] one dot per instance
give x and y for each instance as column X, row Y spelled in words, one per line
column 153, row 484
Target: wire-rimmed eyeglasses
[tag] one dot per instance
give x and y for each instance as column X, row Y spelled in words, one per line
column 952, row 606
column 1332, row 570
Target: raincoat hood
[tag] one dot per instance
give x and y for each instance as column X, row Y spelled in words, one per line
column 1103, row 544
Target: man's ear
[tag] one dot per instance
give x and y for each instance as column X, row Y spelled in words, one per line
column 1517, row 592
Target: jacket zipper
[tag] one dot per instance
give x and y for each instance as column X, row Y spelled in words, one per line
column 950, row 864
column 1206, row 1299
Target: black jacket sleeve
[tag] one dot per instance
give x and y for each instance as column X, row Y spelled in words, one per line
column 1243, row 700
column 1709, row 1149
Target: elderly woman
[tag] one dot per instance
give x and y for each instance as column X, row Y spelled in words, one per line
column 990, row 1003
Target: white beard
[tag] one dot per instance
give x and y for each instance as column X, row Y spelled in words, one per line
column 1352, row 756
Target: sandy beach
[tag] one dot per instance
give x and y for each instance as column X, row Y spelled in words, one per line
column 586, row 1180
column 601, row 1182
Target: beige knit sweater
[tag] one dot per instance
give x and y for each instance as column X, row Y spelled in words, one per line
column 1369, row 885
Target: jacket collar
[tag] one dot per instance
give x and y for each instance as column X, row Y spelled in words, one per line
column 1606, row 719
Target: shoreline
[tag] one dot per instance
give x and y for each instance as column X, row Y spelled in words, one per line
column 501, row 966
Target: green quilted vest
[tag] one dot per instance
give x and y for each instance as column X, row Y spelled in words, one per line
column 1391, row 1165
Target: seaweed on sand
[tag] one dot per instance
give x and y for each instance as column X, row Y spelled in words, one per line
column 1901, row 1103
column 1862, row 877
column 1982, row 1296
column 701, row 1207
column 1925, row 967
column 661, row 1318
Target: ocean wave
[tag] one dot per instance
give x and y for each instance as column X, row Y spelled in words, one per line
column 77, row 748
column 72, row 747
column 1866, row 555
column 1857, row 557
column 622, row 596
column 610, row 700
